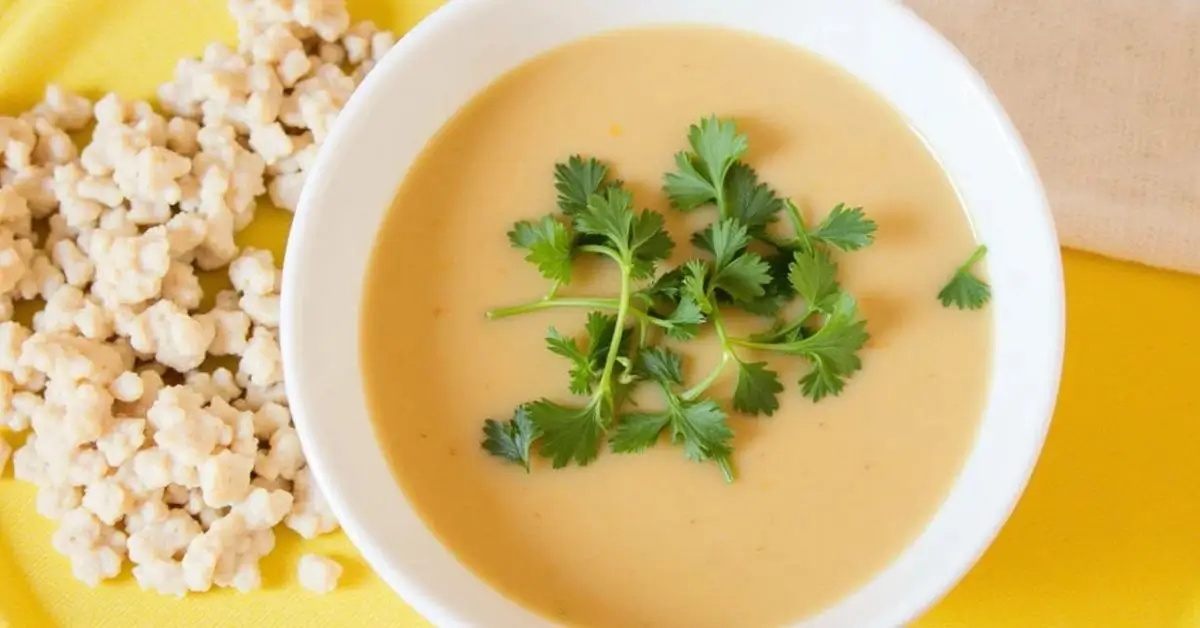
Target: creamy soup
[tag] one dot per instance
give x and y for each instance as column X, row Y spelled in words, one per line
column 827, row 493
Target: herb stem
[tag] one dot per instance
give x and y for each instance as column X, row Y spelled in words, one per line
column 780, row 347
column 722, row 206
column 727, row 354
column 726, row 468
column 793, row 214
column 796, row 324
column 550, row 303
column 590, row 303
column 605, row 251
column 977, row 255
column 614, row 345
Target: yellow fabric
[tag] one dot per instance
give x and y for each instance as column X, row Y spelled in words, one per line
column 1107, row 535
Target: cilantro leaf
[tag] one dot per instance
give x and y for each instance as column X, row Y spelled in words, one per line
column 740, row 274
column 744, row 278
column 752, row 204
column 702, row 430
column 583, row 369
column 684, row 323
column 695, row 284
column 576, row 180
column 779, row 292
column 600, row 329
column 511, row 440
column 650, row 243
column 638, row 240
column 549, row 245
column 847, row 228
column 638, row 432
column 570, row 433
column 725, row 239
column 688, row 189
column 608, row 214
column 716, row 145
column 700, row 178
column 964, row 290
column 813, row 275
column 757, row 389
column 700, row 425
column 666, row 287
column 661, row 365
column 833, row 349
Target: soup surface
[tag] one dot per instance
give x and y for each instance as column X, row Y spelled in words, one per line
column 827, row 493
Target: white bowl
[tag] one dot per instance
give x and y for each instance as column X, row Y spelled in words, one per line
column 458, row 51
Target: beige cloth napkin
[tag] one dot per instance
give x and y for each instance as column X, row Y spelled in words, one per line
column 1106, row 94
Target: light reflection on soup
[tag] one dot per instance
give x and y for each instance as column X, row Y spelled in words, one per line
column 827, row 493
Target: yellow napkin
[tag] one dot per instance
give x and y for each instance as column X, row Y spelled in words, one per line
column 1107, row 96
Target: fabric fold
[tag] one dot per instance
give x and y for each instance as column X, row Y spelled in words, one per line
column 1106, row 94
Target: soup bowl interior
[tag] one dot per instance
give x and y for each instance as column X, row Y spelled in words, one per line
column 462, row 48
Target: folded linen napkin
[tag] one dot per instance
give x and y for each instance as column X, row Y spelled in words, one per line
column 1106, row 94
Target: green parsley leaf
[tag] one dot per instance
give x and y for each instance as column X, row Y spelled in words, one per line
column 725, row 239
column 847, row 228
column 650, row 243
column 779, row 292
column 549, row 244
column 757, row 389
column 702, row 429
column 688, row 189
column 700, row 180
column 964, row 290
column 740, row 274
column 511, row 440
column 583, row 369
column 833, row 350
column 576, row 180
column 570, row 433
column 600, row 329
column 813, row 275
column 660, row 364
column 684, row 323
column 700, row 425
column 744, row 278
column 695, row 284
column 608, row 214
column 751, row 203
column 717, row 144
column 638, row 432
column 639, row 240
column 665, row 288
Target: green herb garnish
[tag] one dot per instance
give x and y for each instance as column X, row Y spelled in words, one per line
column 699, row 426
column 740, row 265
column 511, row 440
column 964, row 290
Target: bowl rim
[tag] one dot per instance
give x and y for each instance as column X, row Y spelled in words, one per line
column 448, row 593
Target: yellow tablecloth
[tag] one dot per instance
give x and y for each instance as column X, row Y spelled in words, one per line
column 1108, row 534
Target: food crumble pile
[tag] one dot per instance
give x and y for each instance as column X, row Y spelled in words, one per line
column 140, row 450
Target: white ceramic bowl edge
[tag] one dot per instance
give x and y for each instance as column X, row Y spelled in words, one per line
column 465, row 45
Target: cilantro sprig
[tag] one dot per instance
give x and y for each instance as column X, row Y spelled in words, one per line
column 511, row 440
column 965, row 291
column 698, row 425
column 635, row 242
column 745, row 260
